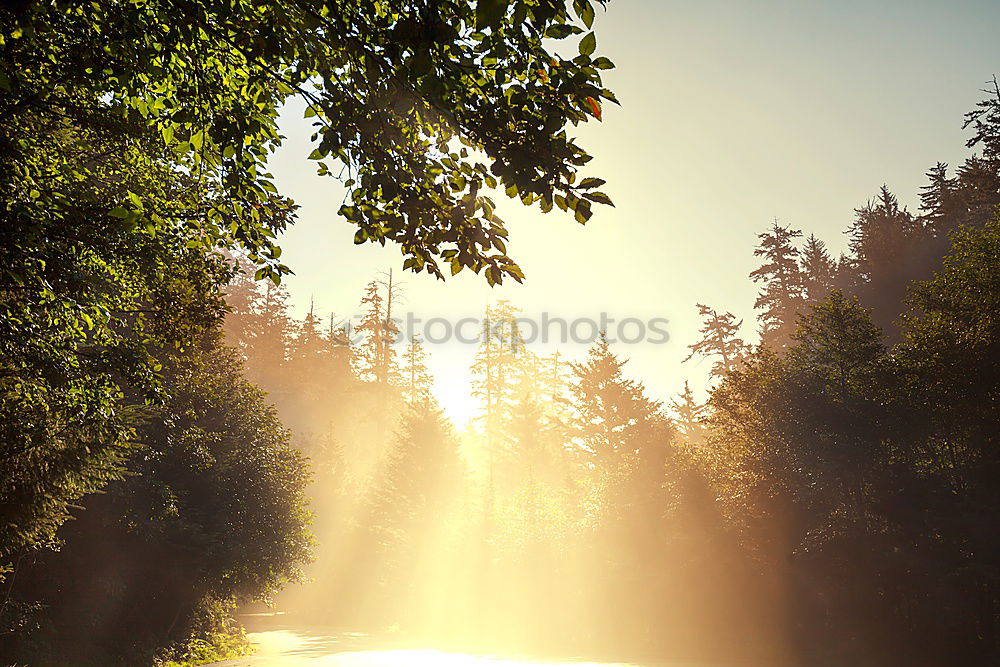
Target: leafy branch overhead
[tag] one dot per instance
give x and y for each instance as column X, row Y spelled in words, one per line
column 418, row 107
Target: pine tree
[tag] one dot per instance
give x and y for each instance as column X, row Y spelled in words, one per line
column 688, row 416
column 421, row 471
column 838, row 343
column 985, row 122
column 614, row 414
column 308, row 342
column 978, row 191
column 376, row 356
column 940, row 204
column 337, row 342
column 807, row 429
column 423, row 461
column 303, row 367
column 318, row 366
column 627, row 439
column 553, row 389
column 242, row 295
column 370, row 350
column 782, row 296
column 258, row 325
column 497, row 368
column 529, row 438
column 819, row 271
column 390, row 331
column 530, row 464
column 880, row 234
column 417, row 379
column 719, row 341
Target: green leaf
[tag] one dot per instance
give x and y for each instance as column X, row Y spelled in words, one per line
column 588, row 44
column 489, row 13
column 561, row 31
column 588, row 183
column 599, row 197
column 421, row 62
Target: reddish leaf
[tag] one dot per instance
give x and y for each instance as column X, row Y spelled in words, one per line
column 595, row 107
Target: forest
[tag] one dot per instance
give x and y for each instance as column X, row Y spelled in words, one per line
column 177, row 447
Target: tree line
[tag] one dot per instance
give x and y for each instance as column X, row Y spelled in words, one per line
column 830, row 502
column 853, row 448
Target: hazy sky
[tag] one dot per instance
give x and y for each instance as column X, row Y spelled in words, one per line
column 734, row 113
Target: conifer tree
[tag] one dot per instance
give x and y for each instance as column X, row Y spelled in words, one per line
column 985, row 123
column 308, row 342
column 819, row 271
column 420, row 473
column 978, row 191
column 304, row 366
column 782, row 295
column 337, row 342
column 553, row 390
column 530, row 438
column 258, row 325
column 318, row 366
column 375, row 355
column 940, row 202
column 422, row 462
column 628, row 442
column 614, row 414
column 719, row 341
column 271, row 341
column 370, row 350
column 390, row 331
column 880, row 234
column 416, row 378
column 689, row 416
column 497, row 367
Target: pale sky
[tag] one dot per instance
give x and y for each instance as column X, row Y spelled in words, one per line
column 734, row 113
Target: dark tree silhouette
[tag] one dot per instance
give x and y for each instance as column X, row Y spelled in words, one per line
column 719, row 341
column 782, row 295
